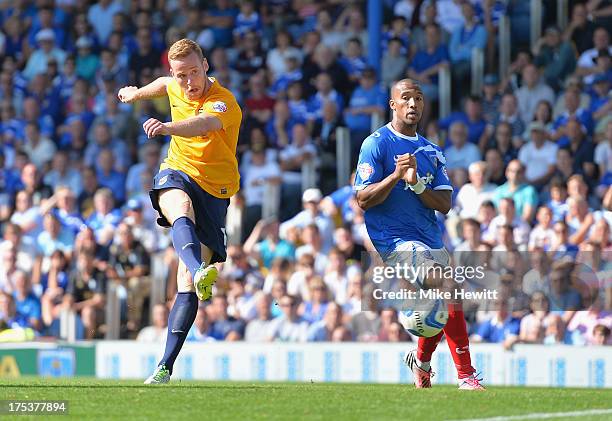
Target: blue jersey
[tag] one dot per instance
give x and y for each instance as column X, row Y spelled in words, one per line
column 402, row 216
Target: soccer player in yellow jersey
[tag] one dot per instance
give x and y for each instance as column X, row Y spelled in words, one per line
column 192, row 189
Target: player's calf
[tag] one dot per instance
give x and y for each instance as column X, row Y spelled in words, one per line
column 179, row 322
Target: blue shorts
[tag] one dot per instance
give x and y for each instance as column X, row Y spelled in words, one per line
column 210, row 211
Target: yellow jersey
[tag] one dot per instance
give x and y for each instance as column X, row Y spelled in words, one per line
column 210, row 159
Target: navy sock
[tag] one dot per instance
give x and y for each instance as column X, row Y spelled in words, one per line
column 179, row 322
column 187, row 244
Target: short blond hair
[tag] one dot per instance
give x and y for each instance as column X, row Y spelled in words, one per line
column 182, row 48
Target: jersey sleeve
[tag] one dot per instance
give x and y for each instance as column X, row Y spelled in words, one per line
column 369, row 167
column 441, row 180
column 225, row 109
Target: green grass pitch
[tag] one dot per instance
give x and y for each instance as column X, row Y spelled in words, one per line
column 131, row 400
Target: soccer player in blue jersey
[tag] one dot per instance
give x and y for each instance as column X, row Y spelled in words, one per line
column 401, row 181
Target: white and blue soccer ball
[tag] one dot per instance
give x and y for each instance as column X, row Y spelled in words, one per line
column 427, row 321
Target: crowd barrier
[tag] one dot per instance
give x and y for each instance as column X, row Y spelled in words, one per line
column 525, row 365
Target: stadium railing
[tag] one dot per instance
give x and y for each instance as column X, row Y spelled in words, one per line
column 112, row 312
column 68, row 325
column 159, row 275
column 503, row 39
column 562, row 11
column 535, row 13
column 233, row 224
column 477, row 70
column 309, row 174
column 377, row 121
column 343, row 156
column 444, row 89
column 271, row 204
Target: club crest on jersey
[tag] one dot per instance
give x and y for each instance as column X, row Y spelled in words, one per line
column 365, row 170
column 219, row 106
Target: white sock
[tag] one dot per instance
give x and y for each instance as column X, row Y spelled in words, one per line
column 423, row 365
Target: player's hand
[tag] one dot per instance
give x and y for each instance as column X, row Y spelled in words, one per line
column 408, row 161
column 127, row 94
column 403, row 164
column 153, row 127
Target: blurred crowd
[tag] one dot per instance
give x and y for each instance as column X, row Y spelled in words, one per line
column 530, row 158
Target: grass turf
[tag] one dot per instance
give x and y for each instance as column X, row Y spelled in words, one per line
column 131, row 400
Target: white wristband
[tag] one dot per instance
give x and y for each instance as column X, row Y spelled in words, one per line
column 418, row 188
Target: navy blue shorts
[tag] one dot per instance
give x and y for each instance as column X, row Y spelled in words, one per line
column 210, row 211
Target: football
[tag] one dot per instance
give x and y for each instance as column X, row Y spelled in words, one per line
column 427, row 321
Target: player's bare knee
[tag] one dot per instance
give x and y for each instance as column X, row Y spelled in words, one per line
column 175, row 203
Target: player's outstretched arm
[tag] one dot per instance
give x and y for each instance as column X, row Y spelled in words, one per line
column 154, row 89
column 190, row 127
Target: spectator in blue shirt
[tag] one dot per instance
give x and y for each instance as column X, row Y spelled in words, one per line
column 224, row 327
column 37, row 62
column 601, row 103
column 298, row 107
column 66, row 210
column 524, row 195
column 461, row 153
column 102, row 139
column 32, row 114
column 399, row 30
column 556, row 56
column 247, row 20
column 86, row 61
column 54, row 237
column 14, row 41
column 27, row 305
column 100, row 16
column 292, row 74
column 563, row 297
column 105, row 217
column 8, row 315
column 558, row 196
column 313, row 309
column 502, row 327
column 271, row 247
column 108, row 176
column 463, row 40
column 426, row 64
column 561, row 246
column 368, row 100
column 572, row 111
column 281, row 124
column 325, row 92
column 473, row 119
column 220, row 19
column 9, row 179
column 353, row 60
column 323, row 330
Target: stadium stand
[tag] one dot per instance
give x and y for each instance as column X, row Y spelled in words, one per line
column 518, row 96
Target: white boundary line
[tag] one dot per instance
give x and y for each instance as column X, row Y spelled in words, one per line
column 544, row 415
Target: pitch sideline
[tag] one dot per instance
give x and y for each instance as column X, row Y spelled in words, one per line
column 543, row 415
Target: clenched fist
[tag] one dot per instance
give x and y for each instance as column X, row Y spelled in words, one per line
column 127, row 94
column 406, row 168
column 153, row 127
